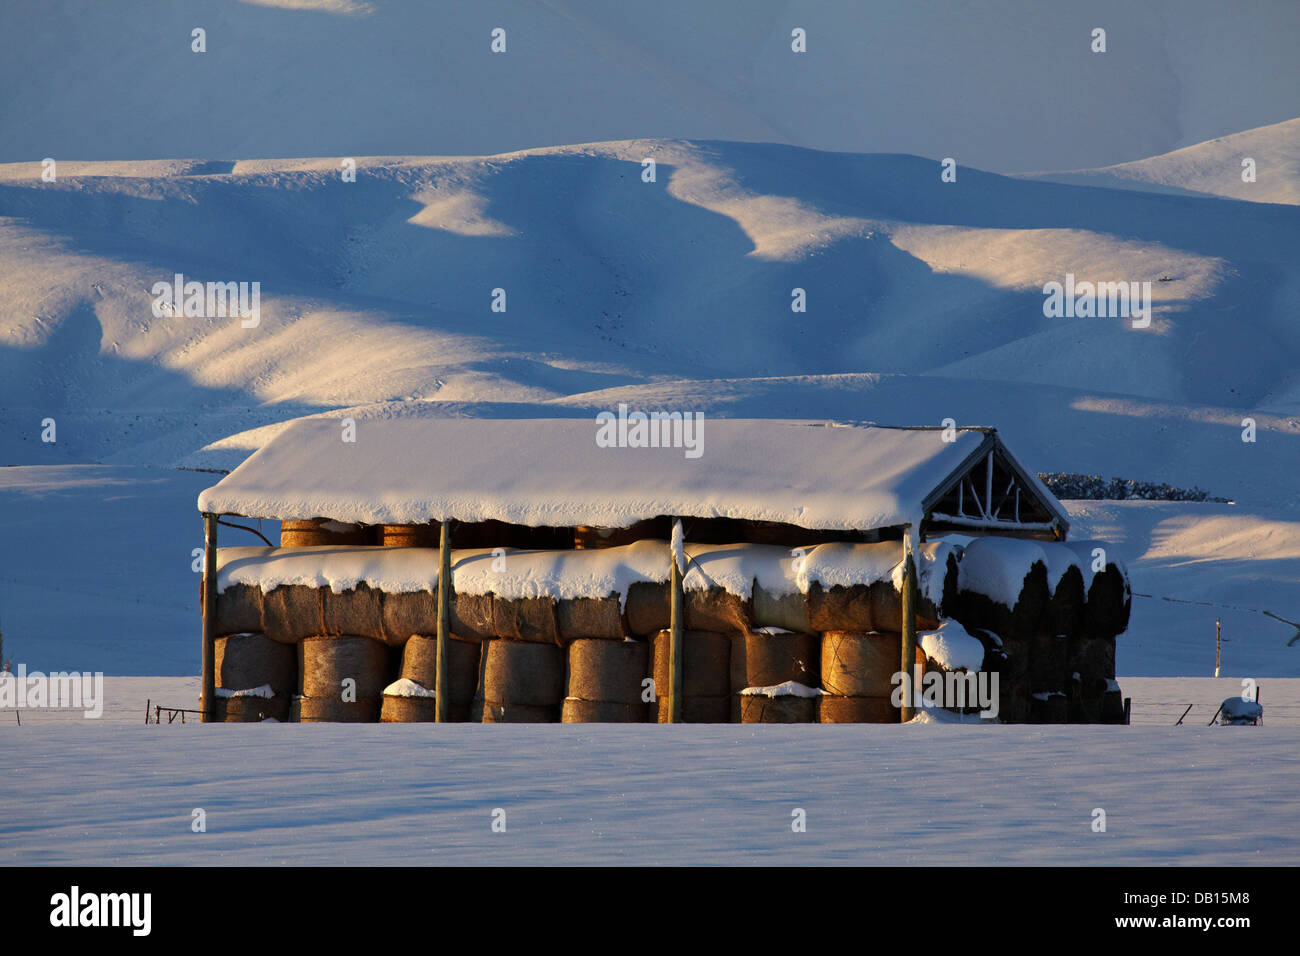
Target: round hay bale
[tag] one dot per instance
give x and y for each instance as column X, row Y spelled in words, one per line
column 1065, row 608
column 1112, row 707
column 978, row 610
column 321, row 532
column 358, row 611
column 1093, row 659
column 715, row 609
column 311, row 710
column 757, row 709
column 1048, row 659
column 248, row 710
column 840, row 608
column 769, row 659
column 1048, row 709
column 706, row 665
column 837, row 709
column 472, row 616
column 244, row 661
column 854, row 664
column 410, row 535
column 695, row 710
column 525, row 619
column 491, row 712
column 408, row 612
column 239, row 610
column 522, row 673
column 1106, row 612
column 609, row 671
column 408, row 710
column 887, row 609
column 420, row 664
column 789, row 611
column 328, row 661
column 587, row 617
column 646, row 609
column 293, row 612
column 576, row 711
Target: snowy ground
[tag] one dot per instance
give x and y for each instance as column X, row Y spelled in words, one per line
column 650, row 795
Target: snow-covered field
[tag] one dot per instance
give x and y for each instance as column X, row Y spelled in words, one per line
column 935, row 794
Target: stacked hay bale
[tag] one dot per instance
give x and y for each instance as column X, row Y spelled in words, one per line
column 775, row 676
column 321, row 532
column 519, row 682
column 342, row 679
column 706, row 677
column 255, row 677
column 606, row 681
column 1003, row 588
column 412, row 699
column 857, row 669
column 1106, row 610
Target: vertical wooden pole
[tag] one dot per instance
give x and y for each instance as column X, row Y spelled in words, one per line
column 908, row 655
column 675, row 624
column 1218, row 643
column 444, row 623
column 208, row 693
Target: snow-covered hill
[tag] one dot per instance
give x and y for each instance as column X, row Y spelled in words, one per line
column 924, row 301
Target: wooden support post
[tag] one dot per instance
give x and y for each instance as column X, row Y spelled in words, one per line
column 675, row 626
column 1218, row 643
column 208, row 693
column 444, row 624
column 909, row 630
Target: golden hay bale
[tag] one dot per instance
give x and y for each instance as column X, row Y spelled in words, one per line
column 247, row 710
column 587, row 617
column 318, row 532
column 789, row 611
column 854, row 664
column 706, row 664
column 763, row 660
column 757, row 709
column 245, row 661
column 239, row 610
column 408, row 612
column 646, row 609
column 521, row 673
column 408, row 710
column 326, row 662
column 887, row 609
column 525, row 619
column 695, row 710
column 420, row 664
column 472, row 616
column 576, row 711
column 840, row 608
column 715, row 609
column 358, row 611
column 310, row 710
column 611, row 671
column 491, row 712
column 410, row 535
column 834, row 709
column 293, row 612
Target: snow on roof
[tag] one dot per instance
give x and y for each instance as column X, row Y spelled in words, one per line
column 542, row 472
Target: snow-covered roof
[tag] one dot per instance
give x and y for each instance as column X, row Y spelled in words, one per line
column 553, row 472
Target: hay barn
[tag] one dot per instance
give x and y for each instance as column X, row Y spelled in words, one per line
column 522, row 570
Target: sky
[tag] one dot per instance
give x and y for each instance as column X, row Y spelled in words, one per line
column 1004, row 85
